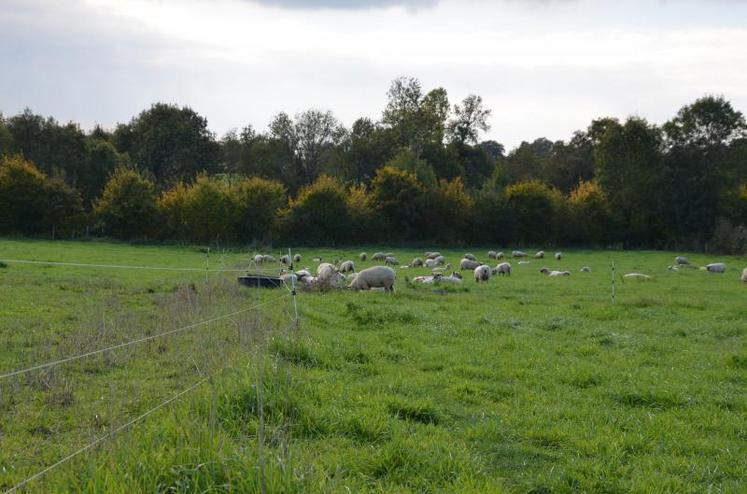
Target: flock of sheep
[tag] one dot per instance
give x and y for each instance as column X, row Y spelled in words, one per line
column 342, row 274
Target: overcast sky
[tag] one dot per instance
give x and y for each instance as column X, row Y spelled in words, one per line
column 545, row 67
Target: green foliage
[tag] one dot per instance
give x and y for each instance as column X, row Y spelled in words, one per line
column 537, row 211
column 398, row 198
column 407, row 161
column 449, row 211
column 127, row 206
column 591, row 219
column 257, row 202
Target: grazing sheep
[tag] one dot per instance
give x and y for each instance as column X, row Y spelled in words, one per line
column 379, row 256
column 328, row 277
column 347, row 267
column 716, row 267
column 637, row 276
column 289, row 279
column 500, row 255
column 482, row 273
column 268, row 258
column 492, row 254
column 503, row 269
column 548, row 272
column 285, row 259
column 259, row 259
column 440, row 259
column 558, row 256
column 417, row 263
column 432, row 255
column 540, row 254
column 744, row 275
column 518, row 253
column 468, row 264
column 585, row 269
column 363, row 256
column 375, row 277
column 297, row 258
column 681, row 261
column 391, row 261
column 469, row 256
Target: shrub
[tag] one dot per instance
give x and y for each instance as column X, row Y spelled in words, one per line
column 127, row 206
column 362, row 215
column 319, row 215
column 536, row 209
column 449, row 210
column 398, row 199
column 590, row 214
column 257, row 202
column 200, row 212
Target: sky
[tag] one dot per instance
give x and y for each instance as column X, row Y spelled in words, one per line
column 544, row 67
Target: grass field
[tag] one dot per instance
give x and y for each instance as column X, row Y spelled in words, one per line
column 523, row 384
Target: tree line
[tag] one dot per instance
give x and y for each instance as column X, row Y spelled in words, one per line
column 419, row 173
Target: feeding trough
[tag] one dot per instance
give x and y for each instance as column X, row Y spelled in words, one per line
column 260, row 281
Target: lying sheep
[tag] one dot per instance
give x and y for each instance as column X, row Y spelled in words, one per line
column 469, row 256
column 454, row 278
column 503, row 269
column 347, row 267
column 524, row 262
column 363, row 256
column 317, row 259
column 518, row 253
column 417, row 263
column 681, row 261
column 548, row 272
column 715, row 267
column 375, row 277
column 297, row 258
column 558, row 256
column 637, row 276
column 540, row 254
column 482, row 273
column 432, row 263
column 432, row 255
column 391, row 261
column 585, row 269
column 492, row 254
column 468, row 264
column 744, row 275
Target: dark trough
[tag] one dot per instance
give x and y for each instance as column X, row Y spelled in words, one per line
column 260, row 281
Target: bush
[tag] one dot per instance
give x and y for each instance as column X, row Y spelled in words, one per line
column 200, row 212
column 257, row 202
column 537, row 211
column 398, row 198
column 590, row 214
column 729, row 239
column 491, row 222
column 127, row 206
column 362, row 215
column 319, row 215
column 449, row 212
column 31, row 203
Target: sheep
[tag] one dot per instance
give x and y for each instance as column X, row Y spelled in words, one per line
column 539, row 255
column 681, row 261
column 548, row 272
column 375, row 277
column 378, row 256
column 469, row 256
column 303, row 273
column 492, row 254
column 585, row 269
column 289, row 278
column 524, row 262
column 518, row 253
column 347, row 267
column 285, row 259
column 328, row 277
column 297, row 258
column 432, row 255
column 558, row 256
column 317, row 259
column 391, row 261
column 454, row 278
column 482, row 273
column 259, row 259
column 363, row 256
column 637, row 276
column 432, row 263
column 500, row 255
column 716, row 267
column 417, row 263
column 503, row 269
column 744, row 275
column 440, row 259
column 468, row 264
column 268, row 258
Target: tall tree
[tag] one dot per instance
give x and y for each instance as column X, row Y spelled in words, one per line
column 470, row 118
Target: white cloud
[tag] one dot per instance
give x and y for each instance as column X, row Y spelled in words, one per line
column 546, row 68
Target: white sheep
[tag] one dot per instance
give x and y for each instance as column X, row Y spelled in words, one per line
column 482, row 273
column 469, row 256
column 432, row 255
column 363, row 256
column 285, row 259
column 432, row 263
column 681, row 261
column 715, row 267
column 440, row 259
column 549, row 272
column 375, row 277
column 468, row 264
column 417, row 263
column 297, row 258
column 585, row 269
column 328, row 277
column 518, row 253
column 259, row 259
column 391, row 261
column 500, row 255
column 347, row 267
column 540, row 254
column 637, row 276
column 744, row 275
column 268, row 258
column 524, row 262
column 502, row 269
column 289, row 279
column 558, row 256
column 492, row 254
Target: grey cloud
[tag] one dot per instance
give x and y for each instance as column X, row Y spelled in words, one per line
column 347, row 4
